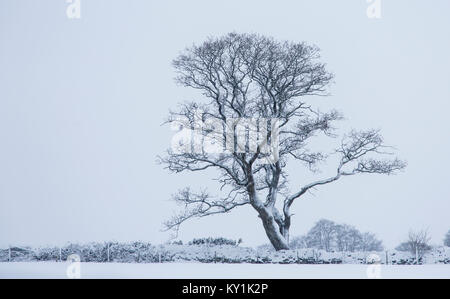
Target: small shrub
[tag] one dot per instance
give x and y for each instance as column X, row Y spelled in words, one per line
column 215, row 241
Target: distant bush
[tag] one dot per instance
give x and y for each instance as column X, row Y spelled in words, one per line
column 47, row 254
column 20, row 254
column 215, row 241
column 447, row 239
column 138, row 252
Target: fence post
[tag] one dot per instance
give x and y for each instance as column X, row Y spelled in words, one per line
column 159, row 256
column 9, row 253
column 107, row 252
column 387, row 258
column 60, row 255
column 215, row 257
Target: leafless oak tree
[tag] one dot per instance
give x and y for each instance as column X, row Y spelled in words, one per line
column 248, row 76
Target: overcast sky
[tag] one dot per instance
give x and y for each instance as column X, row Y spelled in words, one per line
column 82, row 100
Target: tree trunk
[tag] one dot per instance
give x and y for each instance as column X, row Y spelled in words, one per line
column 417, row 255
column 273, row 232
column 266, row 214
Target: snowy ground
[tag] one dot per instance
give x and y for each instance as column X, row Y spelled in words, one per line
column 239, row 271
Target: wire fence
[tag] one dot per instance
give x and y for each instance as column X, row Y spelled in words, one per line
column 94, row 252
column 139, row 252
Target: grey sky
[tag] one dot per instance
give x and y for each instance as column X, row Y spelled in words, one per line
column 81, row 103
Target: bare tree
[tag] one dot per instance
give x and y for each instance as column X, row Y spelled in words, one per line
column 369, row 242
column 322, row 235
column 329, row 236
column 348, row 238
column 247, row 77
column 417, row 243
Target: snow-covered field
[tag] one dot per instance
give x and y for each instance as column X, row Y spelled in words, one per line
column 238, row 271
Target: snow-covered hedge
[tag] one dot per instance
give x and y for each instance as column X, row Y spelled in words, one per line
column 141, row 252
